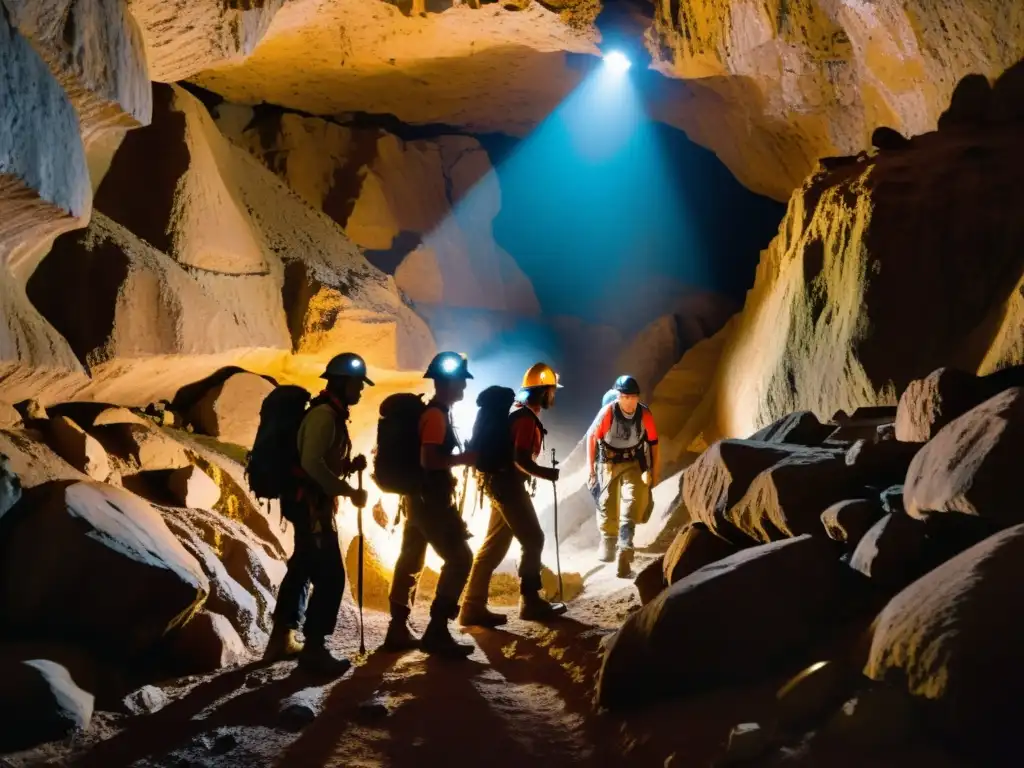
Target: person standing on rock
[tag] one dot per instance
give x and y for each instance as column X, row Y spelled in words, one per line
column 512, row 511
column 617, row 456
column 324, row 451
column 432, row 518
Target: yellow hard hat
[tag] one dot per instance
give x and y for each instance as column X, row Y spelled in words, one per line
column 540, row 375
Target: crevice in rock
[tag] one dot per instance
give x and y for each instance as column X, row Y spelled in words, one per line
column 162, row 150
column 388, row 259
column 76, row 290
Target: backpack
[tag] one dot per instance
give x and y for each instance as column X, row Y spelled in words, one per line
column 396, row 460
column 270, row 464
column 490, row 438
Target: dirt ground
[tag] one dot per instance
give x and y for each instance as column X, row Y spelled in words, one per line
column 524, row 698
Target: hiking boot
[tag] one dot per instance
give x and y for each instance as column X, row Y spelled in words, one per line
column 400, row 638
column 438, row 641
column 624, row 564
column 283, row 644
column 533, row 607
column 317, row 660
column 606, row 550
column 478, row 616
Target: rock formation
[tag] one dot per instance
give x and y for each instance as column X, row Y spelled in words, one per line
column 422, row 209
column 863, row 290
column 814, row 79
column 484, row 68
column 209, row 260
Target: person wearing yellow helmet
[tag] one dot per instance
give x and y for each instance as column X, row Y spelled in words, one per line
column 512, row 513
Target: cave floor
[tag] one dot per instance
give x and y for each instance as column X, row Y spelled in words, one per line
column 524, row 698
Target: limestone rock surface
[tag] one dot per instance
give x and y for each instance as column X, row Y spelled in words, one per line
column 815, row 79
column 191, row 266
column 96, row 51
column 184, row 36
column 423, row 209
column 463, row 66
column 862, row 291
column 951, row 640
column 123, row 580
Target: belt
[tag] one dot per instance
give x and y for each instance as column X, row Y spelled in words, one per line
column 617, row 456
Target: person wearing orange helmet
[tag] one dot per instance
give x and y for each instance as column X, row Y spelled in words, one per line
column 512, row 513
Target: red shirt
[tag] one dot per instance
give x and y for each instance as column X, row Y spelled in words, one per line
column 603, row 423
column 526, row 433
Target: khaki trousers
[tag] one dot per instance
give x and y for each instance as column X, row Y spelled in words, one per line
column 622, row 502
column 512, row 517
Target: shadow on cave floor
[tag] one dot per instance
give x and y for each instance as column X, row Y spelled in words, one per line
column 523, row 698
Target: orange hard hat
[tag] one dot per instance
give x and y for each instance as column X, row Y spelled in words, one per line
column 540, row 375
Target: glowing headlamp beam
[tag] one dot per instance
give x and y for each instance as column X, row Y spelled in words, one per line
column 617, row 61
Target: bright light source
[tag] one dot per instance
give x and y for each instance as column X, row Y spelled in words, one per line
column 356, row 364
column 450, row 365
column 617, row 61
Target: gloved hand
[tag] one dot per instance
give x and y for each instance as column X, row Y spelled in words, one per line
column 358, row 463
column 358, row 497
column 552, row 474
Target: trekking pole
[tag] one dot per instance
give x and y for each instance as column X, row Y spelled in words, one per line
column 558, row 558
column 359, row 581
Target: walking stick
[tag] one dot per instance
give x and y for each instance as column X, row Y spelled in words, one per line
column 558, row 558
column 359, row 582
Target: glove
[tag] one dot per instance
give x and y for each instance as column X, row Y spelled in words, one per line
column 358, row 497
column 358, row 463
column 552, row 474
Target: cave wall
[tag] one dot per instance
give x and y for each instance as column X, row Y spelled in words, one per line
column 422, row 209
column 887, row 266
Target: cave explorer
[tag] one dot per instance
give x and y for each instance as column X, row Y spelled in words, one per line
column 512, row 511
column 324, row 454
column 432, row 518
column 617, row 455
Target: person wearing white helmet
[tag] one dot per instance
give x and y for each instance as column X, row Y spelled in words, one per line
column 324, row 453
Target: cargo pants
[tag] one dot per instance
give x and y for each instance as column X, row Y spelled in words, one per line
column 623, row 500
column 512, row 517
column 435, row 523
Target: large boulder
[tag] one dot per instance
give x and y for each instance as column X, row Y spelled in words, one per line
column 694, row 547
column 971, row 467
column 847, row 521
column 230, row 411
column 206, row 643
column 141, row 447
column 243, row 579
column 722, row 475
column 720, row 624
column 192, row 488
column 40, row 702
column 787, row 499
column 106, row 558
column 929, row 404
column 800, row 428
column 892, row 553
column 953, row 638
column 78, row 448
column 881, row 464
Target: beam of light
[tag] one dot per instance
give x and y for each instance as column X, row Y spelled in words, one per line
column 617, row 61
